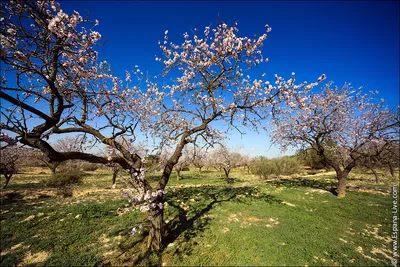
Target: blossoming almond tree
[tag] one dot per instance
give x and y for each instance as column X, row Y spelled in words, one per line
column 226, row 159
column 341, row 125
column 199, row 157
column 54, row 85
column 9, row 155
column 208, row 84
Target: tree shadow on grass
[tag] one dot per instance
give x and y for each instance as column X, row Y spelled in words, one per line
column 188, row 208
column 303, row 182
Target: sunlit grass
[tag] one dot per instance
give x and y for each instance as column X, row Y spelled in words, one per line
column 281, row 221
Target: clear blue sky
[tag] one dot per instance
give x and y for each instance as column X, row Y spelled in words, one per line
column 350, row 41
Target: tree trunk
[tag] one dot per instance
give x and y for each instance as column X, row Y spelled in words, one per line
column 154, row 242
column 391, row 169
column 200, row 169
column 341, row 189
column 53, row 170
column 226, row 173
column 375, row 174
column 114, row 178
column 8, row 178
column 178, row 174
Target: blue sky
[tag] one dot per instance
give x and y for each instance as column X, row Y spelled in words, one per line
column 351, row 41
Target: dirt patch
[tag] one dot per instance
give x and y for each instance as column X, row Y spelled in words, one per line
column 225, row 229
column 30, row 258
column 104, row 240
column 6, row 194
column 289, row 204
column 272, row 222
column 84, row 192
column 318, row 191
column 247, row 220
column 233, row 218
column 28, row 218
column 250, row 219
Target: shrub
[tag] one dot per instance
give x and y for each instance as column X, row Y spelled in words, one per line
column 89, row 167
column 264, row 167
column 63, row 179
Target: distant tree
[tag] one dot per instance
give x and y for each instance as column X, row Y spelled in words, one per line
column 380, row 156
column 199, row 157
column 341, row 125
column 183, row 163
column 226, row 159
column 245, row 161
column 9, row 155
column 310, row 158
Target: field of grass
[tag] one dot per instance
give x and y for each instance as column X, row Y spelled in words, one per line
column 286, row 221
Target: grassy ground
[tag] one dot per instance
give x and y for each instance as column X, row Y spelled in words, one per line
column 287, row 221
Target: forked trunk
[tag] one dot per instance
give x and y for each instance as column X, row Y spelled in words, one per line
column 375, row 174
column 226, row 171
column 8, row 178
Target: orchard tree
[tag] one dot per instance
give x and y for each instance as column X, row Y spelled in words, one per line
column 209, row 83
column 245, row 162
column 183, row 163
column 54, row 85
column 390, row 157
column 9, row 155
column 199, row 157
column 64, row 144
column 226, row 159
column 380, row 155
column 341, row 125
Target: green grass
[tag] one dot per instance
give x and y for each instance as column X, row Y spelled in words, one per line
column 287, row 221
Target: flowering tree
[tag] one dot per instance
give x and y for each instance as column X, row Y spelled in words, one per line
column 245, row 162
column 9, row 155
column 208, row 85
column 381, row 156
column 183, row 163
column 53, row 85
column 49, row 60
column 226, row 159
column 65, row 144
column 199, row 157
column 341, row 125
